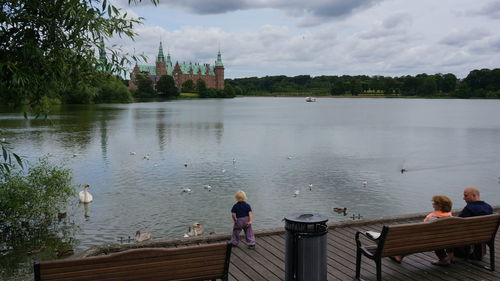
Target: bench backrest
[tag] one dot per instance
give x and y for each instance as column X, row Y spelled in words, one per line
column 439, row 234
column 187, row 263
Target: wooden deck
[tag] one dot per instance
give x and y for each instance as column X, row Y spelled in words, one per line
column 267, row 262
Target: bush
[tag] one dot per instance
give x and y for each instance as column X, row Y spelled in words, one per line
column 111, row 89
column 32, row 198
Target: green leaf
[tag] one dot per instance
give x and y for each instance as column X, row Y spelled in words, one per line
column 4, row 153
column 19, row 160
column 104, row 5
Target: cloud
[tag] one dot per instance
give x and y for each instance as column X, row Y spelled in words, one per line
column 491, row 10
column 463, row 37
column 304, row 13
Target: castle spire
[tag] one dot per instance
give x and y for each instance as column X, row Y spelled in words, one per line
column 102, row 56
column 161, row 57
column 218, row 62
column 169, row 61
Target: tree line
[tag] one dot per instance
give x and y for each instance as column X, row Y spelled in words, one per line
column 166, row 88
column 483, row 83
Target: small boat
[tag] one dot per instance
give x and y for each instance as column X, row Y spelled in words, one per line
column 310, row 99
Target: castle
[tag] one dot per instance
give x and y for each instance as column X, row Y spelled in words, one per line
column 181, row 72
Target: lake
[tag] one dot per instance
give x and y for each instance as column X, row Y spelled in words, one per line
column 350, row 150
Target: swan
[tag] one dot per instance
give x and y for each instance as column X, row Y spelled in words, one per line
column 289, row 157
column 207, row 187
column 186, row 190
column 196, row 229
column 85, row 196
column 297, row 192
column 142, row 236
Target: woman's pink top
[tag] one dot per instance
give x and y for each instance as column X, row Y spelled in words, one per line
column 437, row 214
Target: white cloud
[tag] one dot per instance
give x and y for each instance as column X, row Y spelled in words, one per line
column 259, row 38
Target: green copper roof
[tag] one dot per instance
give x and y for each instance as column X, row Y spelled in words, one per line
column 161, row 57
column 218, row 62
column 148, row 68
column 205, row 69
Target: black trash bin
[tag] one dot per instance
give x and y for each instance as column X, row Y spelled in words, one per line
column 305, row 254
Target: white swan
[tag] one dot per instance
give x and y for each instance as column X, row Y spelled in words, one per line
column 85, row 196
column 142, row 236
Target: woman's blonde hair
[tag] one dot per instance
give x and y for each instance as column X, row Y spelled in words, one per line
column 443, row 202
column 240, row 196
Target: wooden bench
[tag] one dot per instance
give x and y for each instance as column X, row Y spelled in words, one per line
column 412, row 238
column 207, row 262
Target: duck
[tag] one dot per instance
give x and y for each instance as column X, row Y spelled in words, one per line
column 207, row 187
column 185, row 164
column 61, row 253
column 146, row 157
column 289, row 157
column 311, row 186
column 196, row 229
column 340, row 211
column 296, row 193
column 234, row 161
column 142, row 236
column 75, row 154
column 37, row 250
column 365, row 183
column 186, row 190
column 61, row 216
column 132, row 153
column 85, row 196
column 403, row 170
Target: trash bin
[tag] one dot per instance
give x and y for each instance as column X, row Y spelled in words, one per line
column 305, row 253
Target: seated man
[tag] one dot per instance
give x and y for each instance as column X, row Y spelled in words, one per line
column 475, row 207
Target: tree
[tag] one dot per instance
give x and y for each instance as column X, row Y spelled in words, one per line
column 48, row 48
column 201, row 86
column 228, row 91
column 166, row 86
column 187, row 86
column 111, row 89
column 144, row 86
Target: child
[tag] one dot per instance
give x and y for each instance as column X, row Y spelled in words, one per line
column 243, row 217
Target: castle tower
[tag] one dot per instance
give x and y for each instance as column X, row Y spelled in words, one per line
column 161, row 68
column 219, row 73
column 132, row 84
column 103, row 63
column 169, row 61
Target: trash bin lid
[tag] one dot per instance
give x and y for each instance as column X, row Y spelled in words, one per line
column 306, row 218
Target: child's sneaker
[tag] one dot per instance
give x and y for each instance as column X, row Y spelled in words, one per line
column 251, row 247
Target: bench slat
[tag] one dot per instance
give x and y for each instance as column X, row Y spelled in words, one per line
column 135, row 254
column 82, row 264
column 187, row 263
column 133, row 269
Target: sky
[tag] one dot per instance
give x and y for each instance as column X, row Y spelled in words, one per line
column 260, row 38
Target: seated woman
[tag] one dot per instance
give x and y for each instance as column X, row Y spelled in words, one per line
column 442, row 209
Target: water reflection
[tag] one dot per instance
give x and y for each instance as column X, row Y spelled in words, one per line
column 334, row 144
